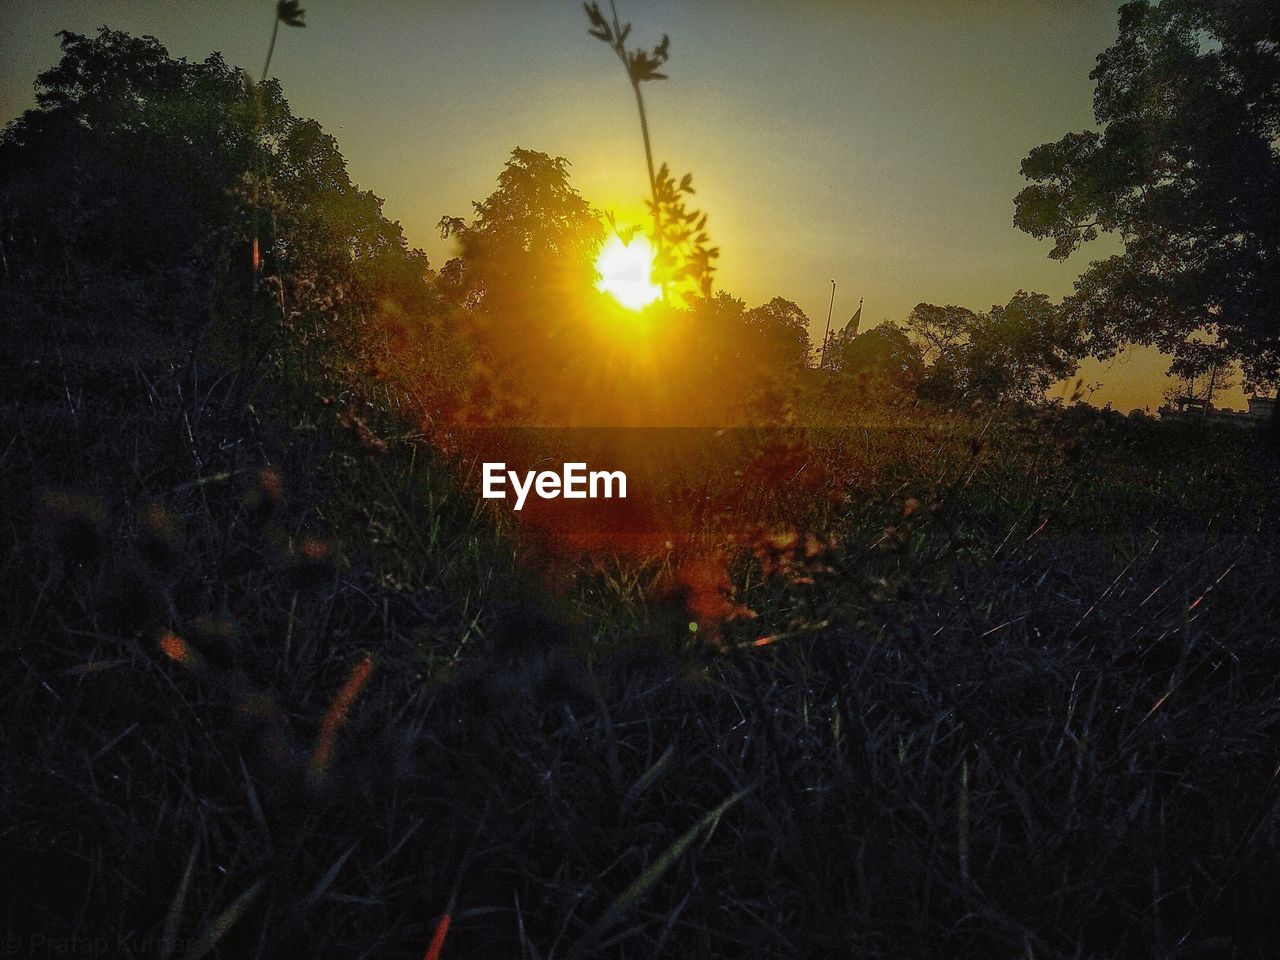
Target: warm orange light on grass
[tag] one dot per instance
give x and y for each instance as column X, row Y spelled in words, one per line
column 177, row 649
column 336, row 715
column 626, row 272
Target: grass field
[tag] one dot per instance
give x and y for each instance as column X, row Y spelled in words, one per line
column 277, row 683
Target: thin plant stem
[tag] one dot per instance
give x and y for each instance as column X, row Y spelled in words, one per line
column 258, row 122
column 648, row 156
column 621, row 50
column 271, row 48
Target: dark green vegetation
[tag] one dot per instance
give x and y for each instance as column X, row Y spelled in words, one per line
column 1185, row 170
column 273, row 684
column 1030, row 704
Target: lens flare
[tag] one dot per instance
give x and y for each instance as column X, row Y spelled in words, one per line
column 625, row 272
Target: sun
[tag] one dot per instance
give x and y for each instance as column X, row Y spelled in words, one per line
column 625, row 272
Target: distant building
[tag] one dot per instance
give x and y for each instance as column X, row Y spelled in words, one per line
column 1192, row 409
column 1261, row 407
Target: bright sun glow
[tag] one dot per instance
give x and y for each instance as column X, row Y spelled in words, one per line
column 625, row 270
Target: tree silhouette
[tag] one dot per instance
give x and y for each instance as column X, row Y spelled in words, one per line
column 1186, row 170
column 886, row 353
column 940, row 331
column 134, row 158
column 1012, row 352
column 1204, row 372
column 782, row 331
column 520, row 285
column 535, row 229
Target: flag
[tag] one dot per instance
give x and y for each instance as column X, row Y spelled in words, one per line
column 851, row 328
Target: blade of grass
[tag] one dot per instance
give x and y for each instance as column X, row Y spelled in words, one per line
column 437, row 939
column 331, row 874
column 628, row 898
column 224, row 922
column 174, row 916
column 647, row 778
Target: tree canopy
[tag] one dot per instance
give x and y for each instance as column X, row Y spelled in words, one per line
column 1012, row 352
column 781, row 330
column 535, row 229
column 885, row 353
column 149, row 200
column 1185, row 169
column 121, row 103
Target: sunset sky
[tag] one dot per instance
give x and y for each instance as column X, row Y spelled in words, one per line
column 874, row 143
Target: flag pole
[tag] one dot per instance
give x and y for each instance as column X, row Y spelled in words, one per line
column 822, row 364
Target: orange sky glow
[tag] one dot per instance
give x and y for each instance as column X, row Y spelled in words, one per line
column 876, row 144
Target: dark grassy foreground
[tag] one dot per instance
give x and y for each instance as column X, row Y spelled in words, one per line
column 270, row 692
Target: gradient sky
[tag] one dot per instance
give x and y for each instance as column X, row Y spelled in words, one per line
column 876, row 143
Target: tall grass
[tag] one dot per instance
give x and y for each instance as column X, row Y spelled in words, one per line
column 1024, row 707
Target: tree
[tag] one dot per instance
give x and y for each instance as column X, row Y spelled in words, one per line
column 1204, row 371
column 201, row 129
column 523, row 284
column 715, row 335
column 780, row 330
column 137, row 171
column 534, row 230
column 1017, row 351
column 1186, row 170
column 1011, row 353
column 940, row 331
column 885, row 353
column 124, row 100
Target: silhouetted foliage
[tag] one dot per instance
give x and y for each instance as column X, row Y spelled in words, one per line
column 138, row 169
column 885, row 353
column 781, row 330
column 940, row 331
column 1204, row 372
column 1186, row 170
column 682, row 261
column 1012, row 352
column 533, row 233
column 520, row 286
column 682, row 258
